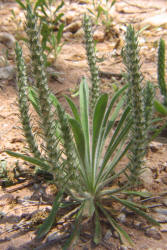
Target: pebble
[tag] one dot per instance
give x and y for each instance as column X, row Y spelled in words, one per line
column 107, row 235
column 163, row 228
column 147, row 177
column 56, row 236
column 67, row 35
column 160, row 217
column 7, row 39
column 10, row 248
column 79, row 33
column 137, row 224
column 155, row 21
column 164, row 179
column 7, row 72
column 73, row 27
column 116, row 234
column 99, row 35
column 161, row 211
column 122, row 217
column 164, row 201
column 123, row 247
column 153, row 233
column 155, row 146
column 69, row 18
column 150, row 248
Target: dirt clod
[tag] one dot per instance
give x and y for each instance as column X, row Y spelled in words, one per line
column 153, row 233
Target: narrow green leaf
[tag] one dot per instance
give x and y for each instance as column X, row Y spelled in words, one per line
column 137, row 193
column 130, row 203
column 59, row 33
column 160, row 108
column 84, row 115
column 113, row 101
column 46, row 226
column 89, row 10
column 21, row 4
column 76, row 229
column 59, row 7
column 104, row 180
column 32, row 160
column 121, row 131
column 111, row 165
column 134, row 207
column 161, row 69
column 114, row 116
column 123, row 235
column 79, row 138
column 112, row 191
column 158, row 131
column 97, row 234
column 32, row 95
column 57, row 19
column 40, row 3
column 73, row 109
column 97, row 127
column 53, row 99
column 84, row 108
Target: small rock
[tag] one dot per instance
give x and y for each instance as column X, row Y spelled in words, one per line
column 147, row 177
column 160, row 217
column 116, row 234
column 7, row 73
column 107, row 235
column 164, row 179
column 137, row 224
column 67, row 35
column 153, row 233
column 73, row 27
column 123, row 8
column 122, row 217
column 155, row 21
column 164, row 201
column 5, row 239
column 79, row 33
column 10, row 248
column 161, row 210
column 56, row 236
column 160, row 98
column 36, row 186
column 155, row 146
column 51, row 190
column 85, row 248
column 70, row 16
column 163, row 228
column 7, row 39
column 123, row 247
column 99, row 35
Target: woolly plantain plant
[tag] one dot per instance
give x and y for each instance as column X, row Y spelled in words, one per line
column 92, row 145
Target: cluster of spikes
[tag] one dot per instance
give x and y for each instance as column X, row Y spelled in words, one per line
column 140, row 102
column 51, row 152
